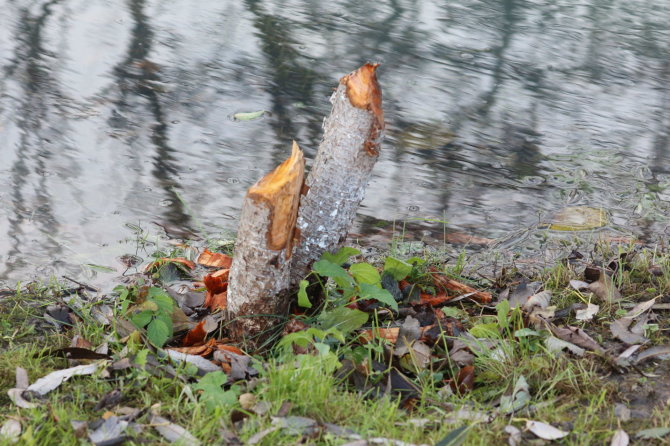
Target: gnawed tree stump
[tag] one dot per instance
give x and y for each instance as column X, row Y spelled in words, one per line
column 341, row 171
column 259, row 275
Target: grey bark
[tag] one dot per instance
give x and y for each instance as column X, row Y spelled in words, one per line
column 259, row 274
column 337, row 181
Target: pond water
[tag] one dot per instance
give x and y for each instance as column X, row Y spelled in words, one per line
column 114, row 114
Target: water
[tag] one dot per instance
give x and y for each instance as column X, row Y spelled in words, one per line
column 118, row 113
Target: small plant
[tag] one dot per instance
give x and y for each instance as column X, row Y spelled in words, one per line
column 148, row 308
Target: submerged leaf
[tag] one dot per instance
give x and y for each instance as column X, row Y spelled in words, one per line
column 248, row 116
column 578, row 218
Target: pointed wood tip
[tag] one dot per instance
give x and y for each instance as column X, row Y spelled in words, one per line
column 280, row 189
column 363, row 90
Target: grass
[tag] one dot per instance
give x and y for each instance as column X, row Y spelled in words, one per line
column 573, row 394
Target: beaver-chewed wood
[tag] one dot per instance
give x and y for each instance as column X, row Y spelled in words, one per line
column 336, row 183
column 259, row 275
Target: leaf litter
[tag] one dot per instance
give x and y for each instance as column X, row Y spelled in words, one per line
column 416, row 335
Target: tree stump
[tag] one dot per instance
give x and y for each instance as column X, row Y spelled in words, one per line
column 259, row 275
column 341, row 171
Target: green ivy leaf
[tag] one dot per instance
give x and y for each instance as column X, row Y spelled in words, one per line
column 141, row 319
column 374, row 292
column 365, row 273
column 397, row 268
column 158, row 332
column 344, row 319
column 303, row 299
column 330, row 269
column 341, row 256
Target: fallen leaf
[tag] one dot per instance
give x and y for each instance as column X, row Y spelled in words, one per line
column 247, row 401
column 214, row 259
column 173, row 432
column 575, row 336
column 201, row 363
column 658, row 351
column 514, row 435
column 217, row 285
column 200, row 350
column 653, row 433
column 605, row 289
column 519, row 398
column 111, row 431
column 196, row 335
column 556, row 345
column 16, row 396
column 540, row 300
column 545, row 431
column 579, row 285
column 51, row 381
column 417, row 358
column 620, row 438
column 464, row 381
column 641, row 307
column 619, row 329
column 238, row 363
column 10, row 431
column 409, row 332
column 587, row 313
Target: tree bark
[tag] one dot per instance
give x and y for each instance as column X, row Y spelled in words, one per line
column 259, row 275
column 341, row 171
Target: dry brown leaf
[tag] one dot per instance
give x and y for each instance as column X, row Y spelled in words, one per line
column 605, row 289
column 195, row 336
column 576, row 336
column 464, row 381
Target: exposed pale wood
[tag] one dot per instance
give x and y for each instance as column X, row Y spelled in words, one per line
column 341, row 171
column 259, row 275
